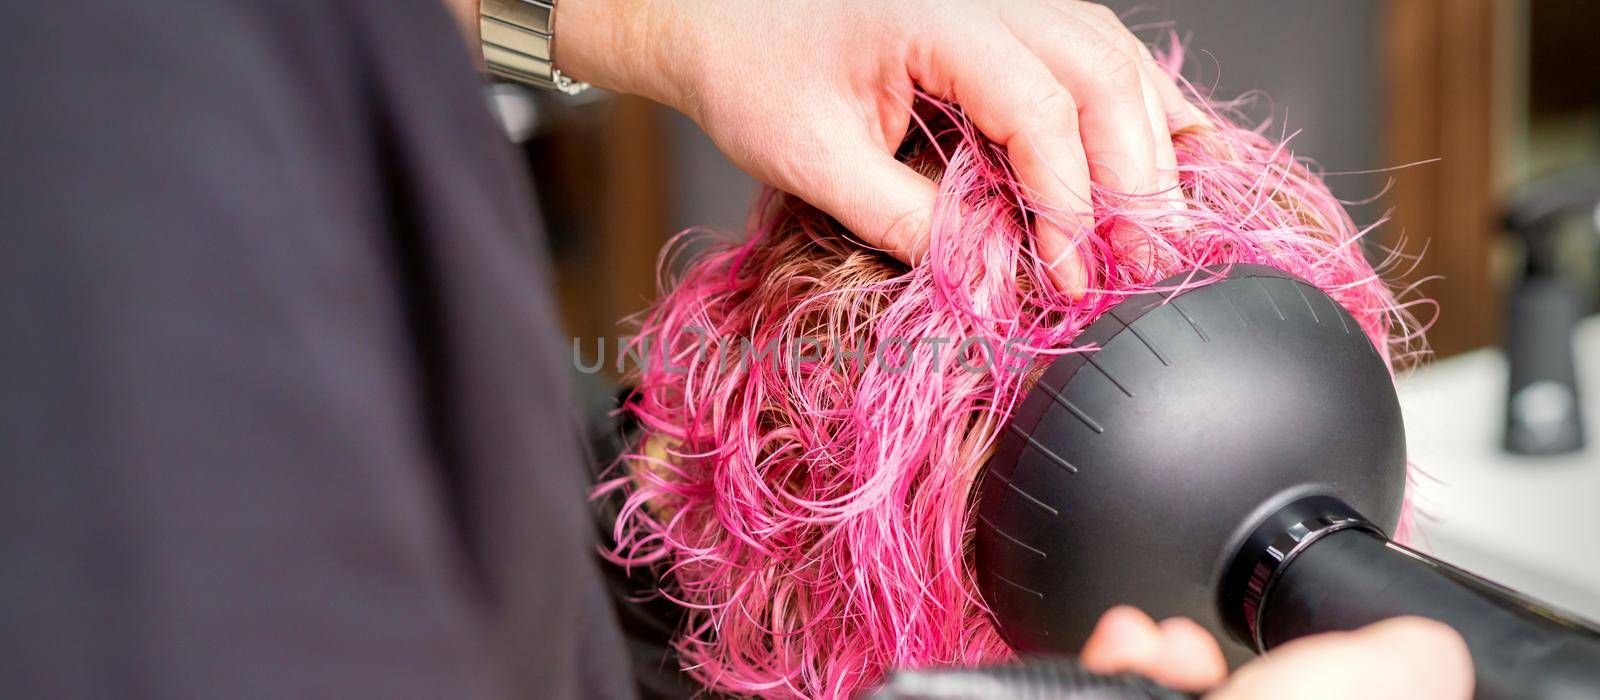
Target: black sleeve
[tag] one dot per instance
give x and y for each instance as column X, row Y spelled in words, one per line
column 280, row 410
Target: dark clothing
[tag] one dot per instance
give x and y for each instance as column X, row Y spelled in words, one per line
column 649, row 620
column 282, row 401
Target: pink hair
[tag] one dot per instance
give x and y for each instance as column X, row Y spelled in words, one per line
column 812, row 518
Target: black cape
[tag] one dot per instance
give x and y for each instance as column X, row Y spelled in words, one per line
column 283, row 405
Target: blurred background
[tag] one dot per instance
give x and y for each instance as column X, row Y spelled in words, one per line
column 1493, row 106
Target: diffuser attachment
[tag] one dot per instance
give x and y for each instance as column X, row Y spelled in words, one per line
column 1138, row 467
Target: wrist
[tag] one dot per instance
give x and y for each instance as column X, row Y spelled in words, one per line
column 614, row 44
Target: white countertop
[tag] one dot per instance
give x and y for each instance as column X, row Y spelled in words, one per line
column 1530, row 523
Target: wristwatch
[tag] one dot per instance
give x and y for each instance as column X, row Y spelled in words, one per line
column 518, row 36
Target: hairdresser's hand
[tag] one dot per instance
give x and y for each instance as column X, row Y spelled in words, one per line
column 1405, row 657
column 813, row 96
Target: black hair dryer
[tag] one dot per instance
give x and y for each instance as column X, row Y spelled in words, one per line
column 1234, row 453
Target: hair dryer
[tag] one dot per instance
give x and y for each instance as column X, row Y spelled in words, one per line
column 1234, row 452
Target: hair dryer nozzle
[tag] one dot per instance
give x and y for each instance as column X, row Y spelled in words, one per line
column 1211, row 454
column 1136, row 467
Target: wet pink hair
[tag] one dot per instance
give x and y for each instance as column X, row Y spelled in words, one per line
column 812, row 518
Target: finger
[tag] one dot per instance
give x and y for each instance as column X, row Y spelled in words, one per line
column 1104, row 78
column 1125, row 640
column 1190, row 658
column 1180, row 112
column 1399, row 658
column 1177, row 653
column 1151, row 80
column 1015, row 101
column 883, row 201
column 1134, row 241
column 1161, row 134
column 1115, row 33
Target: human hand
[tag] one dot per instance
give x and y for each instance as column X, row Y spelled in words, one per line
column 1404, row 657
column 813, row 97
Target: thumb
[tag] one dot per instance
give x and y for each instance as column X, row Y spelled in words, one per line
column 881, row 200
column 1401, row 658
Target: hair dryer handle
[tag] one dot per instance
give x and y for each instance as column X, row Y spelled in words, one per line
column 1352, row 578
column 1053, row 678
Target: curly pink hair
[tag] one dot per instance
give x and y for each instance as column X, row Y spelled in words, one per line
column 812, row 517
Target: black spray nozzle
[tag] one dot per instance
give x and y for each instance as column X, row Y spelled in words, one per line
column 1536, row 211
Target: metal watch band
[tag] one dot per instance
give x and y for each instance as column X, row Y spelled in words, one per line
column 517, row 40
